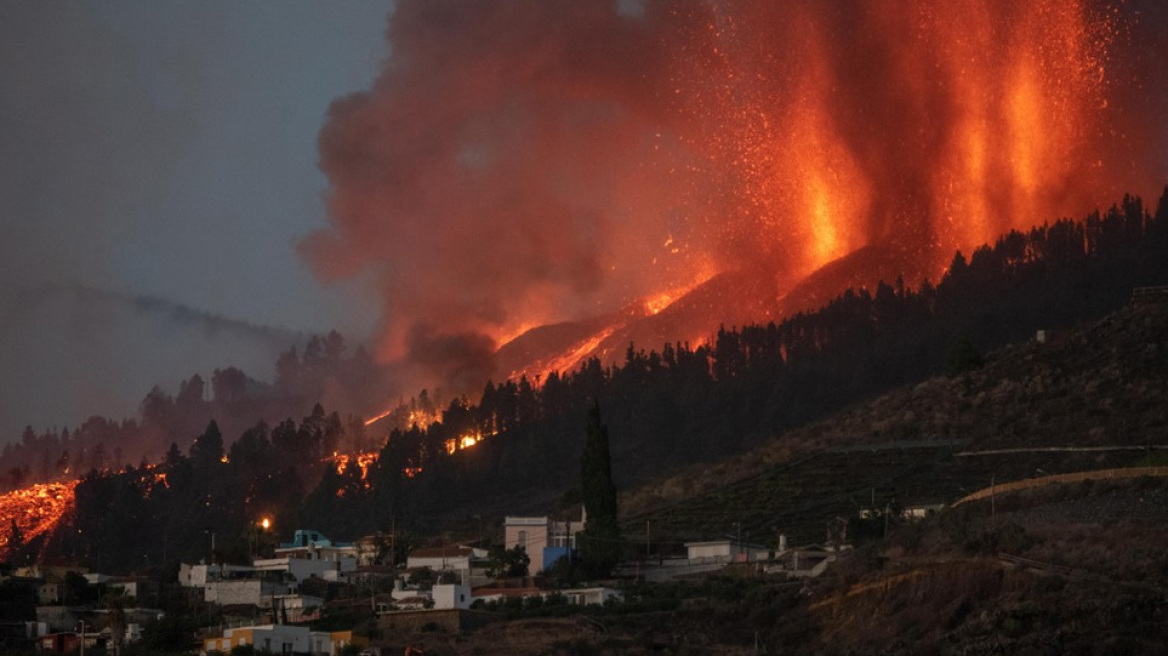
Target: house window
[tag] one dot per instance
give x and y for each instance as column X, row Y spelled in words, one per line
column 523, row 539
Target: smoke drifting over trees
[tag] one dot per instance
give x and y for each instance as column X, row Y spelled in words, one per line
column 161, row 151
column 520, row 163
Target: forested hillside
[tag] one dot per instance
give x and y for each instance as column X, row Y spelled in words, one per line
column 666, row 408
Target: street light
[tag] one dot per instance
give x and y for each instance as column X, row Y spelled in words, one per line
column 253, row 543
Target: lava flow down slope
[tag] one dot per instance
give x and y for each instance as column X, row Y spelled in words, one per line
column 561, row 177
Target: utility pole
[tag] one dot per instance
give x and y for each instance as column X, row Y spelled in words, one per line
column 993, row 504
column 647, row 540
column 82, row 637
column 393, row 541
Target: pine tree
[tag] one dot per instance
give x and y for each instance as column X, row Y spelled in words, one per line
column 208, row 448
column 600, row 542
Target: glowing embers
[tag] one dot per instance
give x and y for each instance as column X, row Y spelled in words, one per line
column 35, row 510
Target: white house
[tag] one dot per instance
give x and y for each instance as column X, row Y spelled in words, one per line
column 725, row 551
column 591, row 596
column 544, row 539
column 301, row 569
column 256, row 592
column 296, row 608
column 450, row 595
column 196, row 576
column 453, row 558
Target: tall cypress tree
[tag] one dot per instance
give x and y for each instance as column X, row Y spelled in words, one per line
column 600, row 542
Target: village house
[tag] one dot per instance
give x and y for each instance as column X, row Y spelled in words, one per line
column 267, row 580
column 725, row 551
column 453, row 558
column 295, row 608
column 545, row 540
column 279, row 639
column 451, row 595
column 373, row 548
column 67, row 642
column 312, row 545
column 131, row 586
column 302, row 569
column 197, row 576
column 49, row 593
column 574, row 596
column 371, row 574
column 803, row 562
column 256, row 591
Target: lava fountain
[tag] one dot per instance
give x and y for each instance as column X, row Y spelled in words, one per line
column 524, row 163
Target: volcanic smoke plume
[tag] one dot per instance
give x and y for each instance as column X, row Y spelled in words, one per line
column 519, row 163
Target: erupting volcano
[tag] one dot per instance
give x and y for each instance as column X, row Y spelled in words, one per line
column 560, row 178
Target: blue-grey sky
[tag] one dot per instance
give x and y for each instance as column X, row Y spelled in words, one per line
column 165, row 150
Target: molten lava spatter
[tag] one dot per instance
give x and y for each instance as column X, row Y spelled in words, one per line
column 523, row 165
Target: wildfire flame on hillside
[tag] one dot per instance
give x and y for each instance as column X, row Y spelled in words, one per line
column 363, row 461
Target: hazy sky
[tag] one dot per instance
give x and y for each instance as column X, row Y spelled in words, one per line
column 165, row 150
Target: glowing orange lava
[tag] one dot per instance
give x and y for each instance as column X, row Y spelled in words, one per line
column 568, row 360
column 376, row 418
column 36, row 510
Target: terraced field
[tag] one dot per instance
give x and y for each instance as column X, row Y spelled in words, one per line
column 799, row 499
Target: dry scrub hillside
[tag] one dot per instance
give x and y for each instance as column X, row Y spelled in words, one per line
column 1101, row 384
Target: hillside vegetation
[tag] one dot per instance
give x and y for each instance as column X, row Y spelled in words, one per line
column 685, row 405
column 1103, row 384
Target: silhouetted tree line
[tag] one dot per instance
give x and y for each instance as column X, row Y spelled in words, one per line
column 211, row 495
column 687, row 403
column 663, row 409
column 230, row 397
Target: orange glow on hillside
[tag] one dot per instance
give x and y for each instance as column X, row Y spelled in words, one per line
column 570, row 359
column 464, row 441
column 363, row 460
column 36, row 509
column 573, row 176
